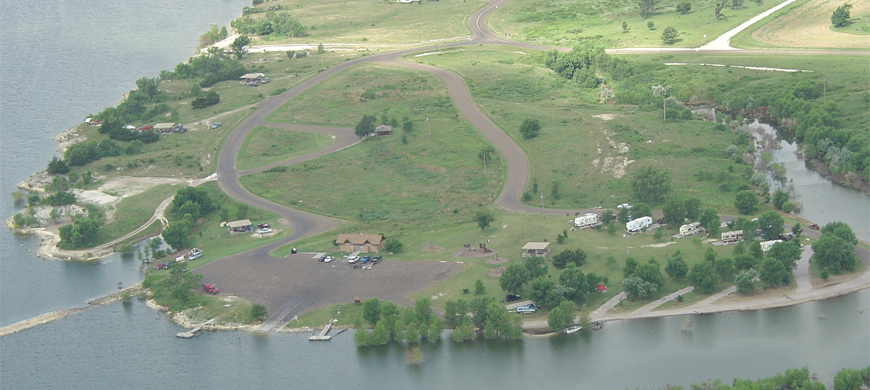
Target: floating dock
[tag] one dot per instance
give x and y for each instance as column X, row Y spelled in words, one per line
column 323, row 336
column 190, row 333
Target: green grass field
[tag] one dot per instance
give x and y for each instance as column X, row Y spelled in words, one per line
column 860, row 25
column 399, row 180
column 132, row 212
column 567, row 22
column 358, row 22
column 266, row 145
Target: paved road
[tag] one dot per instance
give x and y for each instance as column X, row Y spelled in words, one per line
column 305, row 224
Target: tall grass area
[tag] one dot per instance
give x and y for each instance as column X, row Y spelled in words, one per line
column 366, row 22
column 568, row 22
column 589, row 150
column 267, row 145
column 404, row 179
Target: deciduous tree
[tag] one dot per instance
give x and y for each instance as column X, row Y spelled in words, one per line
column 842, row 15
column 771, row 225
column 484, row 218
column 513, row 278
column 746, row 202
column 669, row 35
column 530, row 128
column 365, row 126
column 240, row 46
column 650, row 184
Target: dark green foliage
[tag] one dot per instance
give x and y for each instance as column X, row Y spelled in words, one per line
column 513, row 278
column 174, row 290
column 787, row 252
column 561, row 317
column 745, row 281
column 692, row 207
column 365, row 126
column 240, row 46
column 772, row 272
column 640, row 210
column 393, row 245
column 212, row 35
column 650, row 184
column 86, row 152
column 455, row 312
column 703, row 277
column 677, row 267
column 211, row 98
column 834, row 253
column 574, row 278
column 684, row 7
column 177, row 234
column 190, row 200
column 674, row 213
column 630, row 266
column 274, row 23
column 573, row 256
column 372, row 310
column 258, row 312
column 536, row 266
column 484, row 218
column 746, row 202
column 82, row 233
column 842, row 230
column 771, row 225
column 710, row 220
column 530, row 128
column 841, row 17
column 779, row 198
column 669, row 35
column 584, row 63
column 725, row 269
column 646, row 7
column 479, row 289
column 60, row 198
column 57, row 166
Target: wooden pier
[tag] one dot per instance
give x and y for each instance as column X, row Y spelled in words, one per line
column 323, row 336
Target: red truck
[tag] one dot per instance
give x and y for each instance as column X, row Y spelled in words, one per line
column 210, row 288
column 814, row 226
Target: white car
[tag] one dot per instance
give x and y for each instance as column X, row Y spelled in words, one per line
column 264, row 231
column 328, row 259
column 353, row 259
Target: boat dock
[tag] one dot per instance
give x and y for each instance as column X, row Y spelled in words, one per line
column 323, row 336
column 192, row 332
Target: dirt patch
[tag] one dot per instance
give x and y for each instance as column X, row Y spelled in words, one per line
column 808, row 25
column 495, row 272
column 472, row 254
column 605, row 117
column 431, row 248
column 496, row 260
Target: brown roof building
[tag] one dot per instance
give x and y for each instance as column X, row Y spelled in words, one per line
column 363, row 243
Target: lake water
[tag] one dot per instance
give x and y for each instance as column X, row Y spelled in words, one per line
column 63, row 60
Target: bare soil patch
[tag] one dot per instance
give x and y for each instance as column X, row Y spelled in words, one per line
column 495, row 272
column 808, row 25
column 431, row 248
column 496, row 260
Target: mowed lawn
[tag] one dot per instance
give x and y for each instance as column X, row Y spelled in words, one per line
column 566, row 23
column 266, row 145
column 405, row 178
column 589, row 150
column 365, row 22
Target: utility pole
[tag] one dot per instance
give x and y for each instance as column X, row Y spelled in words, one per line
column 542, row 199
column 427, row 125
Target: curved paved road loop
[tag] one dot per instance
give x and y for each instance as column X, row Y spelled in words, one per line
column 306, row 224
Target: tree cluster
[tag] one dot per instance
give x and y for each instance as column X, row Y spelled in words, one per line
column 211, row 68
column 650, row 184
column 84, row 232
column 835, row 250
column 209, row 99
column 586, row 65
column 87, row 152
column 390, row 323
column 642, row 280
column 212, row 35
column 841, row 17
column 175, row 290
column 569, row 256
column 485, row 313
column 273, row 23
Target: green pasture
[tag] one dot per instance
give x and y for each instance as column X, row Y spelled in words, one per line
column 267, row 145
column 366, row 22
column 566, row 23
column 860, row 25
column 343, row 312
column 401, row 179
column 131, row 212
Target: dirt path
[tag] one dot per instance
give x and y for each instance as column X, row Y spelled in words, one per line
column 661, row 301
column 723, row 42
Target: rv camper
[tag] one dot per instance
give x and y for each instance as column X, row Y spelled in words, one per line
column 638, row 224
column 690, row 229
column 766, row 245
column 590, row 219
column 734, row 236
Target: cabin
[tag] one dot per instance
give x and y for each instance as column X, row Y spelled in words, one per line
column 363, row 243
column 383, row 130
column 536, row 249
column 690, row 229
column 638, row 224
column 240, row 226
column 586, row 220
column 733, row 236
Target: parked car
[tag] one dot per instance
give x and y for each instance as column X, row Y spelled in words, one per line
column 264, row 226
column 321, row 259
column 365, row 259
column 264, row 231
column 511, row 298
column 527, row 309
column 181, row 129
column 328, row 259
column 376, row 259
column 179, row 259
column 814, row 226
column 265, row 80
column 215, row 125
column 353, row 259
column 144, row 128
column 660, row 221
column 194, row 254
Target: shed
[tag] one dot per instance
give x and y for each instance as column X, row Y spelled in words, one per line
column 252, row 77
column 166, row 126
column 383, row 130
column 240, row 226
column 363, row 243
column 536, row 249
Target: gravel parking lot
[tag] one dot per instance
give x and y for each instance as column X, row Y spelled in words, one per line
column 298, row 283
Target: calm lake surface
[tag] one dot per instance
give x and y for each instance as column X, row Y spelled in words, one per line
column 63, row 60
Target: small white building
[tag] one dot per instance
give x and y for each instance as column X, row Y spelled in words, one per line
column 536, row 249
column 638, row 224
column 766, row 245
column 690, row 229
column 732, row 236
column 586, row 220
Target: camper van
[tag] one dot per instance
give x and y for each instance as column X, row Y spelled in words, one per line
column 734, row 236
column 638, row 224
column 690, row 229
column 587, row 220
column 766, row 245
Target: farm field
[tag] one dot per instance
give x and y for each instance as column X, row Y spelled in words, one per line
column 807, row 24
column 566, row 23
column 370, row 23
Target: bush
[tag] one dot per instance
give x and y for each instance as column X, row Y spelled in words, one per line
column 210, row 99
column 684, row 7
column 530, row 128
column 393, row 245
